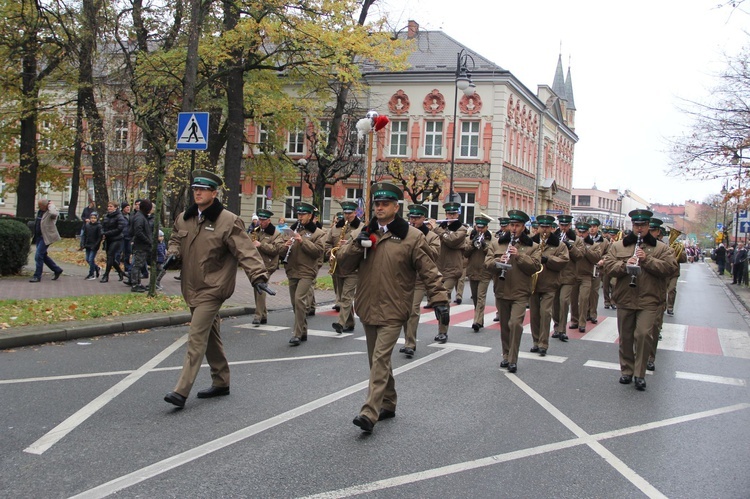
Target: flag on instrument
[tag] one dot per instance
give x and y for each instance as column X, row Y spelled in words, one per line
column 360, row 208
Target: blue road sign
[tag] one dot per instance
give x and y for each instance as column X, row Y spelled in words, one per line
column 554, row 212
column 745, row 227
column 742, row 215
column 192, row 131
column 719, row 226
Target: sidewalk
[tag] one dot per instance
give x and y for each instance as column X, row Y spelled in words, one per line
column 741, row 292
column 73, row 283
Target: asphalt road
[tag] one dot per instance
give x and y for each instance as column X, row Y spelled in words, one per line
column 87, row 418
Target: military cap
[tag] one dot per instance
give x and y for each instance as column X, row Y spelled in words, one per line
column 535, row 224
column 452, row 207
column 206, row 179
column 655, row 223
column 264, row 214
column 503, row 221
column 583, row 226
column 348, row 206
column 417, row 210
column 305, row 208
column 595, row 221
column 387, row 192
column 482, row 221
column 518, row 216
column 662, row 231
column 545, row 220
column 339, row 215
column 565, row 219
column 640, row 215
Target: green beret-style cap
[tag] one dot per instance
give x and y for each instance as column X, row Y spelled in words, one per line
column 339, row 215
column 305, row 208
column 503, row 221
column 565, row 219
column 545, row 220
column 263, row 214
column 640, row 215
column 655, row 223
column 386, row 191
column 417, row 210
column 583, row 226
column 348, row 206
column 481, row 221
column 452, row 207
column 595, row 221
column 206, row 179
column 518, row 216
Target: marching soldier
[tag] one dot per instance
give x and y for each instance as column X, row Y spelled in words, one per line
column 514, row 258
column 641, row 265
column 269, row 242
column 609, row 235
column 302, row 253
column 602, row 244
column 339, row 219
column 503, row 222
column 417, row 217
column 311, row 304
column 554, row 257
column 584, row 272
column 479, row 275
column 346, row 229
column 450, row 262
column 395, row 254
column 657, row 231
column 681, row 256
column 567, row 276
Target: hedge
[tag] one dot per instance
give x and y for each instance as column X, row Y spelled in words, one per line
column 15, row 244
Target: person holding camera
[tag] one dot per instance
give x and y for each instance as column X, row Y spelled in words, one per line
column 389, row 254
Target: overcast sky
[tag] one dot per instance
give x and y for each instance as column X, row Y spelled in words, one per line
column 631, row 64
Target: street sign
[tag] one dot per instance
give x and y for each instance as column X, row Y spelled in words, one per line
column 742, row 216
column 192, row 131
column 719, row 226
column 554, row 212
column 745, row 227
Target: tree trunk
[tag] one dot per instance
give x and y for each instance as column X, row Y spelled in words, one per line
column 235, row 117
column 75, row 179
column 29, row 161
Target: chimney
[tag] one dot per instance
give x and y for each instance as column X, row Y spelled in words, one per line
column 413, row 29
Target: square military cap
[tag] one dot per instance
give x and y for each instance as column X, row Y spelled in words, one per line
column 583, row 226
column 565, row 219
column 348, row 206
column 452, row 207
column 545, row 220
column 417, row 210
column 655, row 223
column 264, row 214
column 386, row 191
column 518, row 216
column 482, row 221
column 595, row 221
column 206, row 179
column 640, row 215
column 305, row 208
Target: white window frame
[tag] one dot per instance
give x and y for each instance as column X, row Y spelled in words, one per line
column 468, row 203
column 327, row 199
column 67, row 193
column 295, row 143
column 118, row 189
column 433, row 139
column 399, row 138
column 263, row 139
column 45, row 142
column 433, row 208
column 469, row 139
column 292, row 197
column 2, row 192
column 121, row 134
column 90, row 191
column 261, row 200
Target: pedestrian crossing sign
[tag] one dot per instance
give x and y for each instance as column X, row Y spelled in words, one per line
column 192, row 131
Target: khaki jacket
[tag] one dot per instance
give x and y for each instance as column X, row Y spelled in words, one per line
column 305, row 257
column 271, row 242
column 451, row 258
column 650, row 291
column 575, row 253
column 475, row 268
column 388, row 274
column 517, row 284
column 557, row 257
column 592, row 253
column 334, row 236
column 211, row 247
column 49, row 225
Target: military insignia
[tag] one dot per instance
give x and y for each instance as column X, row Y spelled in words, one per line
column 210, row 227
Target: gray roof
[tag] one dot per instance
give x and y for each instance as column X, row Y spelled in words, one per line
column 569, row 91
column 558, row 84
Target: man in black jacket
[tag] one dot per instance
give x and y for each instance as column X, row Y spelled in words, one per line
column 720, row 255
column 738, row 269
column 141, row 235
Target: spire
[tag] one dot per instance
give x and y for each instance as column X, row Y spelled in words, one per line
column 569, row 90
column 558, row 84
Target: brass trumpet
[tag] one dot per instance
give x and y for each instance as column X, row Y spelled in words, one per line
column 332, row 260
column 535, row 275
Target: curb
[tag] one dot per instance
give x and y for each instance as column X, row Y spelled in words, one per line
column 36, row 335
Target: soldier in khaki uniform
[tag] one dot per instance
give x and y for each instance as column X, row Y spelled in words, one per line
column 268, row 241
column 450, row 262
column 522, row 254
column 336, row 289
column 602, row 244
column 554, row 257
column 395, row 255
column 346, row 229
column 580, row 295
column 497, row 284
column 567, row 277
column 302, row 252
column 638, row 305
column 417, row 217
column 211, row 242
column 479, row 275
column 607, row 281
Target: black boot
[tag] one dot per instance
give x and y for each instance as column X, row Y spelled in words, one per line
column 105, row 278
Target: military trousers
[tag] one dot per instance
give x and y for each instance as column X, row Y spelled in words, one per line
column 300, row 290
column 381, row 393
column 656, row 331
column 411, row 325
column 583, row 286
column 635, row 328
column 337, row 285
column 346, row 301
column 541, row 308
column 479, row 297
column 672, row 292
column 204, row 340
column 607, row 289
column 449, row 284
column 596, row 284
column 512, row 313
column 261, row 312
column 460, row 283
column 566, row 292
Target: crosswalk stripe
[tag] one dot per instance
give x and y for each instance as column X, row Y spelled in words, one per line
column 327, row 334
column 606, row 365
column 735, row 343
column 262, row 327
column 461, row 346
column 547, row 358
column 710, row 378
column 703, row 340
column 673, row 337
column 605, row 331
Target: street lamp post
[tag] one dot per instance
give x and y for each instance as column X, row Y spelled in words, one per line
column 737, row 160
column 724, row 217
column 463, row 83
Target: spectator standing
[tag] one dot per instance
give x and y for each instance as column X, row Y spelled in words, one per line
column 126, row 238
column 114, row 226
column 738, row 268
column 91, row 241
column 85, row 214
column 721, row 258
column 141, row 233
column 161, row 256
column 45, row 234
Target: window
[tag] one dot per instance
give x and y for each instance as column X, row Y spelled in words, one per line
column 398, row 138
column 433, row 138
column 572, row 200
column 90, row 189
column 467, row 206
column 118, row 191
column 584, row 200
column 67, row 193
column 144, row 142
column 45, row 142
column 264, row 138
column 2, row 192
column 121, row 134
column 432, row 208
column 325, row 216
column 469, row 139
column 296, row 143
column 293, row 196
column 44, row 188
column 262, row 197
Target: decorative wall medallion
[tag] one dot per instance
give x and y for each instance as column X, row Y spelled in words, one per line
column 434, row 103
column 399, row 103
column 470, row 105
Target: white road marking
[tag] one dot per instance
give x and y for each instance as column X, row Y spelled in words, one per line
column 262, row 327
column 673, row 337
column 710, row 378
column 461, row 346
column 327, row 334
column 60, row 431
column 190, row 455
column 606, row 365
column 605, row 331
column 429, row 315
column 735, row 343
column 547, row 358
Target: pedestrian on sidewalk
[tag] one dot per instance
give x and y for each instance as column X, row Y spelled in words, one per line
column 45, row 234
column 90, row 242
column 161, row 256
column 738, row 269
column 141, row 234
column 114, row 226
column 720, row 255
